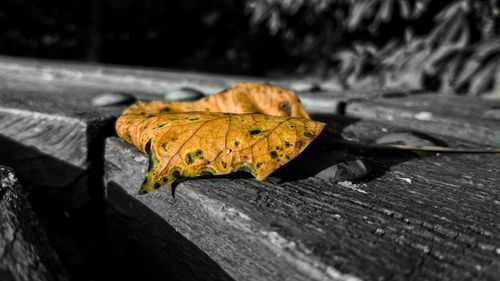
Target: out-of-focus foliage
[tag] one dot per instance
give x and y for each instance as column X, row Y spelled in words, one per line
column 451, row 46
column 446, row 45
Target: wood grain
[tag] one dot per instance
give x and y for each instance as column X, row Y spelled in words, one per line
column 25, row 252
column 112, row 78
column 413, row 217
column 459, row 117
column 54, row 139
column 425, row 218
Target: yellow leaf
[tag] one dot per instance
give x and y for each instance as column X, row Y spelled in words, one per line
column 192, row 144
column 240, row 98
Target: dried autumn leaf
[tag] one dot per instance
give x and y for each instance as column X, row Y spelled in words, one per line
column 184, row 145
column 240, row 98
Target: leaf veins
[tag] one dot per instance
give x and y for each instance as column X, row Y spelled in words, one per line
column 193, row 144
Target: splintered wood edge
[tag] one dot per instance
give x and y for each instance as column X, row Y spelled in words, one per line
column 62, row 137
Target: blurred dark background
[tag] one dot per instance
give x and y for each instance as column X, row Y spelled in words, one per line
column 448, row 46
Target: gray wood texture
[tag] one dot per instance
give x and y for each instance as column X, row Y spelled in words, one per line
column 417, row 217
column 53, row 139
column 56, row 75
column 52, row 132
column 25, row 252
column 413, row 217
column 112, row 78
column 56, row 123
column 454, row 116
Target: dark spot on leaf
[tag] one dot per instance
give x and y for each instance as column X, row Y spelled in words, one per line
column 287, row 144
column 226, row 113
column 189, row 159
column 284, row 106
column 259, row 164
column 308, row 134
column 207, row 162
column 236, row 143
column 278, row 148
column 254, row 132
column 198, row 152
column 224, row 164
column 287, row 157
column 164, row 146
column 156, row 185
column 273, row 154
column 165, row 109
column 193, row 118
column 176, row 174
column 161, row 125
column 164, row 179
column 292, row 126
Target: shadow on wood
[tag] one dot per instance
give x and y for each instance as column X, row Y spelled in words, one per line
column 327, row 159
column 51, row 180
column 25, row 252
column 153, row 245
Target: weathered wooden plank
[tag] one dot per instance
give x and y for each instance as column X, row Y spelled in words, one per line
column 113, row 78
column 25, row 252
column 459, row 117
column 121, row 78
column 51, row 132
column 158, row 82
column 156, row 250
column 53, row 139
column 56, row 76
column 228, row 235
column 415, row 217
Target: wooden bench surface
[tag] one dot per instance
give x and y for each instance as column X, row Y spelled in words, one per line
column 423, row 217
column 415, row 216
